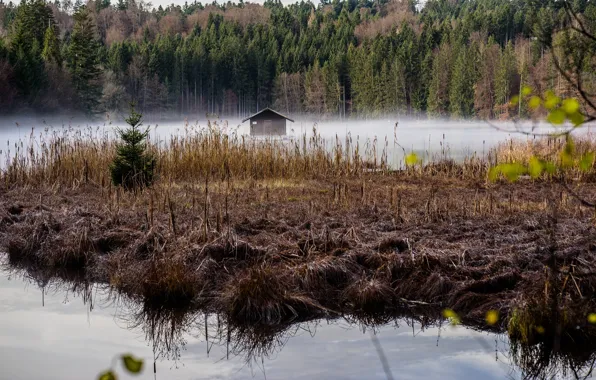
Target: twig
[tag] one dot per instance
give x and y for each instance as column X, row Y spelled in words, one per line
column 576, row 196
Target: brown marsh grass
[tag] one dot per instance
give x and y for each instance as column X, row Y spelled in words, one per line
column 271, row 231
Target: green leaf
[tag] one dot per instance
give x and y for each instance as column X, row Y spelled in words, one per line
column 567, row 153
column 494, row 172
column 107, row 375
column 551, row 100
column 556, row 116
column 513, row 171
column 526, row 90
column 492, row 317
column 514, row 101
column 132, row 365
column 535, row 167
column 549, row 167
column 454, row 319
column 576, row 118
column 570, row 106
column 411, row 159
column 587, row 161
column 534, row 102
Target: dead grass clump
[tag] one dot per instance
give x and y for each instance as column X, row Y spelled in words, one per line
column 474, row 306
column 238, row 250
column 369, row 296
column 435, row 287
column 324, row 244
column 266, row 295
column 165, row 279
column 444, row 166
column 394, row 245
column 69, row 250
column 255, row 227
column 19, row 248
column 494, row 284
column 25, row 240
column 369, row 260
column 112, row 240
column 146, row 246
column 15, row 209
column 325, row 278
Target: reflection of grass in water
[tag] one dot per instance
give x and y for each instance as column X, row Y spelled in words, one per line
column 552, row 340
column 549, row 354
column 555, row 350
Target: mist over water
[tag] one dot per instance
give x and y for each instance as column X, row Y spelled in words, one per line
column 429, row 138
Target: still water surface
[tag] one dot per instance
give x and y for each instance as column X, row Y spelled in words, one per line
column 58, row 337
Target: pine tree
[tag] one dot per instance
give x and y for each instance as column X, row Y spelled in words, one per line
column 83, row 61
column 133, row 168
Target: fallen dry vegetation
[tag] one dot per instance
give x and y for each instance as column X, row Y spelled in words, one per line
column 268, row 232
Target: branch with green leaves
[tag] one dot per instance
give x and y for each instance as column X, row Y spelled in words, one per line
column 561, row 113
column 130, row 363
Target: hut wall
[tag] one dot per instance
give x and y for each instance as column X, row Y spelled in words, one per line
column 267, row 124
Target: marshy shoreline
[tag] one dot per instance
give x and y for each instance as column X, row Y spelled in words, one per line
column 271, row 252
column 269, row 233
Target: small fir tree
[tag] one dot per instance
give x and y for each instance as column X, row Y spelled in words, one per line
column 133, row 167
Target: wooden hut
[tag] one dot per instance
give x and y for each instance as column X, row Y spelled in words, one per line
column 267, row 122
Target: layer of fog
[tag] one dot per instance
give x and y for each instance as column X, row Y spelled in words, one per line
column 429, row 138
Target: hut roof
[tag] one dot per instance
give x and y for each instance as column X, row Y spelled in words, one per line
column 270, row 110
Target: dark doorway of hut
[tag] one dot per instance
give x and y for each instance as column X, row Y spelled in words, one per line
column 267, row 122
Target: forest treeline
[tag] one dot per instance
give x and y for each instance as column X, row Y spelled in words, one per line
column 344, row 58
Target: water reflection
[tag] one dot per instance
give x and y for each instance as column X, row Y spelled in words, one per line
column 185, row 336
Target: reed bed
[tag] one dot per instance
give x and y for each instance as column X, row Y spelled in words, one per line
column 71, row 157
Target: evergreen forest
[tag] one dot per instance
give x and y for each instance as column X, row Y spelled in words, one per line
column 334, row 59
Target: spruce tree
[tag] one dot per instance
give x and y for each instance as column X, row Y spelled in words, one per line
column 51, row 46
column 461, row 94
column 83, row 61
column 438, row 93
column 133, row 167
column 32, row 19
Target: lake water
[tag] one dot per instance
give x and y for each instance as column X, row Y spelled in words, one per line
column 63, row 339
